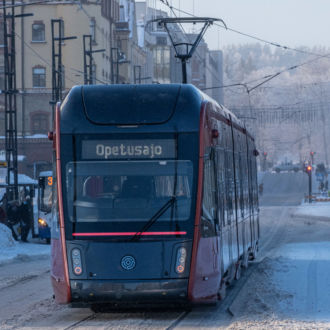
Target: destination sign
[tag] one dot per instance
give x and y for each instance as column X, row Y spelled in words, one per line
column 123, row 149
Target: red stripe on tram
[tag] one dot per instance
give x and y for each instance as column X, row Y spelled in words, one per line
column 151, row 233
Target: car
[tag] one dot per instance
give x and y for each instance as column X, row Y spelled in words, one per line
column 287, row 167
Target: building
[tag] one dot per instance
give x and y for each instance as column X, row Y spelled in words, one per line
column 130, row 59
column 34, row 64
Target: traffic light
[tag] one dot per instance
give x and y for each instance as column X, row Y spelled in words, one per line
column 308, row 169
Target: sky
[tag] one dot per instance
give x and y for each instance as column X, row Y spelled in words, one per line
column 292, row 23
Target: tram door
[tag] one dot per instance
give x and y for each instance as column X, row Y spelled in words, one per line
column 210, row 227
column 225, row 254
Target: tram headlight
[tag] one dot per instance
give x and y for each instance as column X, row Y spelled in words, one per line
column 181, row 257
column 76, row 261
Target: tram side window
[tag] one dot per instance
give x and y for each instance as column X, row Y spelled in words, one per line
column 250, row 184
column 245, row 179
column 255, row 183
column 229, row 185
column 239, row 173
column 241, row 184
column 220, row 168
column 208, row 204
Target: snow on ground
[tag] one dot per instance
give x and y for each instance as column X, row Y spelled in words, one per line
column 318, row 209
column 6, row 238
column 10, row 250
column 290, row 287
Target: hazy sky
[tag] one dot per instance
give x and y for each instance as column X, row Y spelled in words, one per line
column 288, row 22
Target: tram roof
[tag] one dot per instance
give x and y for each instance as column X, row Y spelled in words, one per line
column 97, row 108
column 114, row 108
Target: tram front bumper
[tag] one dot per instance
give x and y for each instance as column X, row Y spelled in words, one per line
column 129, row 292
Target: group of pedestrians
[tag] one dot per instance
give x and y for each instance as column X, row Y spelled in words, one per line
column 18, row 216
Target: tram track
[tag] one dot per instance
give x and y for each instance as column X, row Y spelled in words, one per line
column 78, row 323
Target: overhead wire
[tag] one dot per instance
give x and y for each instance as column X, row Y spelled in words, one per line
column 275, row 44
column 267, row 78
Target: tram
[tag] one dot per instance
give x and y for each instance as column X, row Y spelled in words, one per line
column 155, row 196
column 45, row 183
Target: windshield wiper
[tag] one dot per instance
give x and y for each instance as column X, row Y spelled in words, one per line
column 154, row 218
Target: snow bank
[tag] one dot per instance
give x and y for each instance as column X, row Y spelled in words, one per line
column 12, row 250
column 6, row 238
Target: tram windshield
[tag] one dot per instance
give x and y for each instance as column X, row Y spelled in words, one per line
column 126, row 191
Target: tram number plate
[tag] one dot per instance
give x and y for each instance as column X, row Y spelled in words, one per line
column 127, row 149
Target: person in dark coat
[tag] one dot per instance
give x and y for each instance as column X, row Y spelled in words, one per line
column 3, row 208
column 13, row 217
column 25, row 219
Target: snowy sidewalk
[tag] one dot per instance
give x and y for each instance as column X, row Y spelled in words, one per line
column 315, row 209
column 10, row 250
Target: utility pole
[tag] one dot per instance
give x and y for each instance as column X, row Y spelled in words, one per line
column 10, row 92
column 114, row 65
column 88, row 52
column 57, row 67
column 137, row 74
column 308, row 170
column 312, row 157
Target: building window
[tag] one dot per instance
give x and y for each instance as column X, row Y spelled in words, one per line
column 161, row 56
column 39, row 77
column 38, row 31
column 39, row 122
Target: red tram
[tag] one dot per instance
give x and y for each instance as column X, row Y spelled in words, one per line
column 154, row 198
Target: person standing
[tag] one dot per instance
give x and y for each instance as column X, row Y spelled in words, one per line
column 13, row 218
column 3, row 208
column 25, row 218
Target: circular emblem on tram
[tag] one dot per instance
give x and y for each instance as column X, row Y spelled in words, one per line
column 128, row 262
